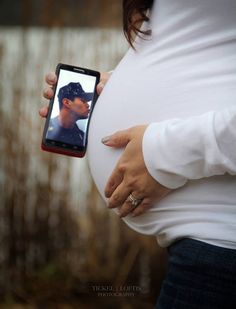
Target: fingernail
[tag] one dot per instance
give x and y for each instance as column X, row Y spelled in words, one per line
column 105, row 139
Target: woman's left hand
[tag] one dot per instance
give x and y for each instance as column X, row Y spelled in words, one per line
column 130, row 180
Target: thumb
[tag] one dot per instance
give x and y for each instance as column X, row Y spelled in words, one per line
column 118, row 140
column 100, row 87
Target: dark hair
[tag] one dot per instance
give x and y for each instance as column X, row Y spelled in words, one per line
column 134, row 13
column 72, row 91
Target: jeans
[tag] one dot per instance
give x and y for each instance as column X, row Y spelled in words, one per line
column 199, row 276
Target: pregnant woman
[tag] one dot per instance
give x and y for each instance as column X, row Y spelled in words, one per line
column 167, row 160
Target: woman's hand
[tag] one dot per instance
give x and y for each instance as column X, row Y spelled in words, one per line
column 131, row 176
column 51, row 80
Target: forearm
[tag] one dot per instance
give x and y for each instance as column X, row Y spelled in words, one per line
column 180, row 149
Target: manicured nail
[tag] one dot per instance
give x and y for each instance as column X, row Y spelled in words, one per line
column 105, row 139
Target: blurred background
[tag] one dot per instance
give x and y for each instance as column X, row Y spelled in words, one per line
column 59, row 245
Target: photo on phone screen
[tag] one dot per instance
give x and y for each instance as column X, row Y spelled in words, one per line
column 70, row 111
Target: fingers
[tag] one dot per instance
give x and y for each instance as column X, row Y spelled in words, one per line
column 43, row 111
column 105, row 76
column 118, row 139
column 127, row 206
column 103, row 80
column 48, row 93
column 119, row 196
column 114, row 181
column 100, row 87
column 51, row 78
column 142, row 208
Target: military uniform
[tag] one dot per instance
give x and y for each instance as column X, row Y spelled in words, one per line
column 56, row 132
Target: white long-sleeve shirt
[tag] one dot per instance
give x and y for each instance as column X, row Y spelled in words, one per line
column 193, row 148
column 182, row 81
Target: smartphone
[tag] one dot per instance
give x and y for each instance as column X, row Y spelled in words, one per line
column 67, row 123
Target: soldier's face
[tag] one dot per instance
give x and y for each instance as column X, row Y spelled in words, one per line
column 80, row 107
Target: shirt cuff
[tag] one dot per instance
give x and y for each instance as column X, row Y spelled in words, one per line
column 159, row 161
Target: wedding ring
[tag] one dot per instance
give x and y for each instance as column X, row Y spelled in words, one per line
column 134, row 201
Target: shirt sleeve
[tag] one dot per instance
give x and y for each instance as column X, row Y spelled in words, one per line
column 178, row 150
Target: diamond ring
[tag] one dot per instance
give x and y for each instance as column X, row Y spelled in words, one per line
column 134, row 201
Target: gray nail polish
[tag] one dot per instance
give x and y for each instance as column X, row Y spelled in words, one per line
column 105, row 139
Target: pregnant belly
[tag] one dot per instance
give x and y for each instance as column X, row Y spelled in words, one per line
column 114, row 111
column 119, row 107
column 131, row 98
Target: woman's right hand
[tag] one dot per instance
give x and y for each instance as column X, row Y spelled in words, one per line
column 51, row 80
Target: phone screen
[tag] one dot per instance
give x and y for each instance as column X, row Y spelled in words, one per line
column 71, row 108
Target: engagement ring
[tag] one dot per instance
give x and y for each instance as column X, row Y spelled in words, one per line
column 134, row 201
